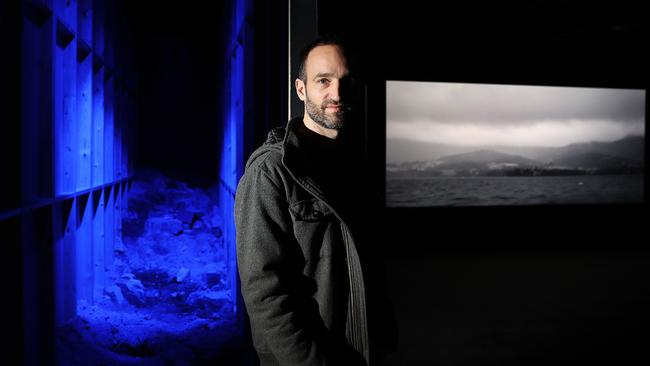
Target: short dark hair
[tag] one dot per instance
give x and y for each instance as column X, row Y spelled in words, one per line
column 325, row 40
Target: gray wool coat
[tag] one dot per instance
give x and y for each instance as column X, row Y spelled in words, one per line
column 300, row 263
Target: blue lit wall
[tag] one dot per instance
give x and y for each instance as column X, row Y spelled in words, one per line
column 78, row 104
column 238, row 49
column 74, row 159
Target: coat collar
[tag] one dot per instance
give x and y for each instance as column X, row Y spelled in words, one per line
column 297, row 162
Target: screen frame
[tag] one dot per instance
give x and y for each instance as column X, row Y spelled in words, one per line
column 564, row 217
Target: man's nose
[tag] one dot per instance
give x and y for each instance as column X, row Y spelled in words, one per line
column 335, row 93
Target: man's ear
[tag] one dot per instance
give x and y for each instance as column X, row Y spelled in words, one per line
column 300, row 89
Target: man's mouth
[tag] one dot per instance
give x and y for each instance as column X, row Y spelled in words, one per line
column 336, row 108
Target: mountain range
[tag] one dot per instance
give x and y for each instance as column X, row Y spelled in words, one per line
column 625, row 155
column 402, row 150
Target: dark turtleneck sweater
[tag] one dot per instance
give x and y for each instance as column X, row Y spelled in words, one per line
column 337, row 167
column 333, row 165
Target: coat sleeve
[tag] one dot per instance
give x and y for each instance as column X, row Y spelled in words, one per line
column 270, row 281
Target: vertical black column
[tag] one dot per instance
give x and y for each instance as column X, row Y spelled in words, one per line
column 10, row 36
column 303, row 27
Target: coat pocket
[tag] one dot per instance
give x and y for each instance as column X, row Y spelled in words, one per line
column 313, row 226
column 310, row 210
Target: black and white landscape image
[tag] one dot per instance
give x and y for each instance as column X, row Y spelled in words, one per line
column 453, row 144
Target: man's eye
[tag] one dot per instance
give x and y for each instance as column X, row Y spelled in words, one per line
column 322, row 81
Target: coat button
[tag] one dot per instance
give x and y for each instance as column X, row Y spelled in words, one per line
column 317, row 213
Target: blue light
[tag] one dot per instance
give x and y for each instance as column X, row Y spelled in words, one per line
column 231, row 155
column 123, row 252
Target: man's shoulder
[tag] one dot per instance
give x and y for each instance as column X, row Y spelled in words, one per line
column 267, row 158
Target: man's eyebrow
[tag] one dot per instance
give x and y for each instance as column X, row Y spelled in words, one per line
column 323, row 74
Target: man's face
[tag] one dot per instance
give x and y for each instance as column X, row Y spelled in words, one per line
column 328, row 89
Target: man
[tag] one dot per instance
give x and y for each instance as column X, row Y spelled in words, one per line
column 308, row 278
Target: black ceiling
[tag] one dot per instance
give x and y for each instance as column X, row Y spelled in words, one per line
column 588, row 42
column 541, row 41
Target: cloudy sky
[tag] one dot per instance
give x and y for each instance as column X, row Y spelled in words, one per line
column 483, row 114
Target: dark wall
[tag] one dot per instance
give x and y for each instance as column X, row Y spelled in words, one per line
column 506, row 285
column 544, row 43
column 581, row 42
column 180, row 72
column 10, row 36
column 183, row 75
column 10, row 198
column 268, row 80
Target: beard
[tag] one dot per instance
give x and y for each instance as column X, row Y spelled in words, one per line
column 333, row 121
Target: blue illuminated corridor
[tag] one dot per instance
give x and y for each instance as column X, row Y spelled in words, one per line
column 129, row 145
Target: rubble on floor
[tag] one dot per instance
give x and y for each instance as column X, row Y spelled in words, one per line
column 168, row 301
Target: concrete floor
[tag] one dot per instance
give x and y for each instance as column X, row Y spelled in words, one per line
column 519, row 308
column 522, row 308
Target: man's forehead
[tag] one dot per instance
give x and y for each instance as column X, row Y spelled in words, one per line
column 326, row 59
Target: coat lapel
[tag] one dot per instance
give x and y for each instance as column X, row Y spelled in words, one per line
column 297, row 163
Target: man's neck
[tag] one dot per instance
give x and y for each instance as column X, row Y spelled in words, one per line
column 327, row 132
column 318, row 144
